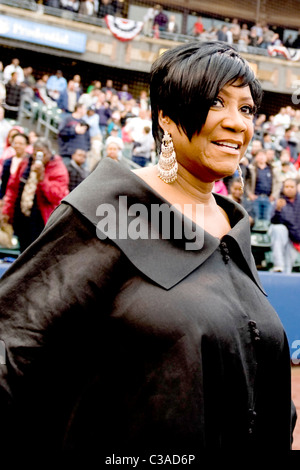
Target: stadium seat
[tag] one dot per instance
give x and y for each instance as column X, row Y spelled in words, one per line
column 261, row 226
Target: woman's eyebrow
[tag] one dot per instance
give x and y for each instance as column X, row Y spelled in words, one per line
column 241, row 98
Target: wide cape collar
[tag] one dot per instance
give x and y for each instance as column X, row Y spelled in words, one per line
column 164, row 261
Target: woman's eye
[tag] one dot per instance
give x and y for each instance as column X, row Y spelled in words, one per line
column 217, row 102
column 248, row 110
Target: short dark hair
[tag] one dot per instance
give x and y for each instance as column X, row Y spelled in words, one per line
column 185, row 80
column 20, row 134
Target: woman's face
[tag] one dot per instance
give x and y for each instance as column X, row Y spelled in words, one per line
column 223, row 140
column 19, row 143
column 46, row 153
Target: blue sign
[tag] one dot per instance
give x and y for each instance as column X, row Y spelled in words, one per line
column 45, row 35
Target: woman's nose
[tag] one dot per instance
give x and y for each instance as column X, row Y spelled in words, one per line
column 234, row 120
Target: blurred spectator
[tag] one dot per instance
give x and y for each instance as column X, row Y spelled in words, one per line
column 87, row 7
column 156, row 31
column 255, row 39
column 244, row 37
column 73, row 133
column 229, row 35
column 258, row 29
column 109, row 89
column 263, row 186
column 114, row 136
column 124, row 94
column 198, row 27
column 253, row 148
column 144, row 100
column 10, row 165
column 282, row 121
column 68, row 98
column 32, row 136
column 148, row 20
column 222, row 33
column 236, row 30
column 76, row 170
column 77, row 81
column 172, row 26
column 41, row 91
column 258, row 126
column 93, row 120
column 127, row 113
column 115, row 104
column 285, row 158
column 220, row 188
column 268, row 37
column 14, row 67
column 5, row 127
column 210, row 35
column 268, row 142
column 161, row 19
column 113, row 151
column 91, row 98
column 236, row 194
column 34, row 191
column 102, row 108
column 276, row 41
column 70, row 5
column 95, row 84
column 268, row 126
column 56, row 84
column 28, row 85
column 141, row 152
column 271, row 160
column 285, row 228
column 134, row 127
column 285, row 171
column 9, row 151
column 12, row 98
column 289, row 142
column 106, row 7
column 115, row 121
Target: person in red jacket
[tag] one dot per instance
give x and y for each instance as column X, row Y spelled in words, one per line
column 34, row 191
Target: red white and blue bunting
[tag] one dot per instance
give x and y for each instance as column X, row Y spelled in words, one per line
column 122, row 29
column 287, row 53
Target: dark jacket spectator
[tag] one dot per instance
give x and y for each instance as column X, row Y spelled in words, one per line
column 13, row 97
column 221, row 34
column 161, row 20
column 289, row 215
column 106, row 7
column 73, row 133
column 77, row 173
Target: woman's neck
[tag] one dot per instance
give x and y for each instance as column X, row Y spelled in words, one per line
column 189, row 185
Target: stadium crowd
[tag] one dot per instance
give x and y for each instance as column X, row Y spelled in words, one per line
column 157, row 21
column 101, row 121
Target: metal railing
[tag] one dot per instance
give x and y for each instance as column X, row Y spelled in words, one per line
column 94, row 20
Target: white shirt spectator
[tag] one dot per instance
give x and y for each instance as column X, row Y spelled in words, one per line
column 136, row 125
column 9, row 69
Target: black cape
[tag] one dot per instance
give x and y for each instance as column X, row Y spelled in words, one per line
column 120, row 344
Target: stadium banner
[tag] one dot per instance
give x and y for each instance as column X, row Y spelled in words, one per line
column 42, row 34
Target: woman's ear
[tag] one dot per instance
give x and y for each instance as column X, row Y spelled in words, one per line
column 163, row 121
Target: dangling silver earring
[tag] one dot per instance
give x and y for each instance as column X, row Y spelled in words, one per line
column 241, row 178
column 167, row 164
